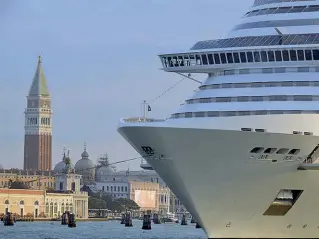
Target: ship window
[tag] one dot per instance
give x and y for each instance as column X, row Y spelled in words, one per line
column 257, row 84
column 293, row 55
column 303, row 98
column 271, row 56
column 210, row 59
column 216, row 58
column 308, row 133
column 308, row 55
column 256, row 98
column 301, row 55
column 198, row 60
column 282, row 10
column 297, row 9
column 260, row 130
column 204, row 58
column 213, row 114
column 313, row 8
column 267, row 70
column 288, row 83
column 243, row 57
column 227, row 85
column 257, row 56
column 188, row 115
column 250, row 57
column 285, row 55
column 303, row 69
column 247, row 129
column 270, row 150
column 264, row 56
column 278, row 55
column 278, row 98
column 294, row 151
column 282, row 151
column 236, row 57
column 302, row 83
column 230, row 58
column 243, row 113
column 244, row 71
column 243, row 99
column 199, row 114
column 316, row 55
column 223, row 58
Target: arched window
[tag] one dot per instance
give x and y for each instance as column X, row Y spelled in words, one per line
column 21, row 202
column 36, row 203
column 7, row 202
column 55, row 208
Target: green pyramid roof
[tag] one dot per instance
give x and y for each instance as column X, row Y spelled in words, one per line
column 39, row 85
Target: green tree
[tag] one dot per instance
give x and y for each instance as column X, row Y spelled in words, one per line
column 128, row 204
column 97, row 203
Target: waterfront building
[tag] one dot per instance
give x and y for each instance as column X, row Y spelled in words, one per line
column 34, row 179
column 23, row 202
column 38, row 125
column 67, row 195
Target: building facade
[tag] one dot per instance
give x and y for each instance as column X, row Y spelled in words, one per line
column 67, row 195
column 38, row 124
column 35, row 180
column 22, row 202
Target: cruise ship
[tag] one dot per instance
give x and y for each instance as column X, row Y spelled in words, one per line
column 241, row 152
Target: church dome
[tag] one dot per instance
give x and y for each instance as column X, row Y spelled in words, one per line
column 60, row 166
column 84, row 163
column 104, row 170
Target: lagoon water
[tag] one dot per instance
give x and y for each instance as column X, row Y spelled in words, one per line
column 99, row 230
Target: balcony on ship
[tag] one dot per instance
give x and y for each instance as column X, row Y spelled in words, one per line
column 145, row 165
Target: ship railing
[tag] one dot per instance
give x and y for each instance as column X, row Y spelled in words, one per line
column 142, row 120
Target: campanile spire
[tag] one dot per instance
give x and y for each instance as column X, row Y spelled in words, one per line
column 38, row 124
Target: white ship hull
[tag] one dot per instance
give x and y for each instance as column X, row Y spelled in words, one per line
column 226, row 190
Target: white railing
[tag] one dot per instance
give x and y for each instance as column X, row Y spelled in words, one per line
column 142, row 120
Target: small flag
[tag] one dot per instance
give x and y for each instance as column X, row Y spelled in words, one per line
column 149, row 108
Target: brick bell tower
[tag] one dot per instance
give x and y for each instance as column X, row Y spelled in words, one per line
column 38, row 124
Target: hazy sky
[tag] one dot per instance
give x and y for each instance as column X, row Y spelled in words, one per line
column 100, row 60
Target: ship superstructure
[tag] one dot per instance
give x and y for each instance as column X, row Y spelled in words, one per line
column 240, row 152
